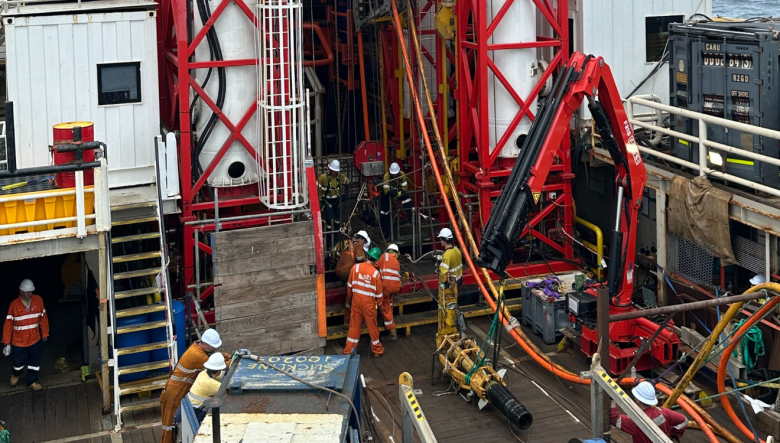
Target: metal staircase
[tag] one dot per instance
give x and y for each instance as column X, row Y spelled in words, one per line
column 139, row 273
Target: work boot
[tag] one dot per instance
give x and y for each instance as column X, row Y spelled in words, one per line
column 14, row 380
column 377, row 355
column 392, row 336
column 36, row 386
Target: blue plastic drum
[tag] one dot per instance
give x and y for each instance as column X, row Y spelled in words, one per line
column 180, row 330
column 133, row 339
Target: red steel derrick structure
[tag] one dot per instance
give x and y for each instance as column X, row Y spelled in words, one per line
column 176, row 48
column 481, row 173
column 485, row 175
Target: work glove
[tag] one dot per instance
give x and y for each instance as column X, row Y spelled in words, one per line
column 7, row 350
column 347, row 305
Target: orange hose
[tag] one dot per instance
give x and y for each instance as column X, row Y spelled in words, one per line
column 529, row 348
column 724, row 360
column 692, row 412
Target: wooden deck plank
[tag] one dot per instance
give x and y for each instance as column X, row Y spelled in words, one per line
column 51, row 414
column 82, row 414
column 71, row 412
column 28, row 414
column 94, row 407
column 38, row 416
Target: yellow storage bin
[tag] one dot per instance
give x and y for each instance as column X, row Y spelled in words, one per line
column 36, row 206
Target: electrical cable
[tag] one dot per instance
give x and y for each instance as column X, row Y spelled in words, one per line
column 204, row 11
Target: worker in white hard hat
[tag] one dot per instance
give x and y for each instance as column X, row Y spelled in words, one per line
column 332, row 189
column 26, row 328
column 394, row 187
column 758, row 280
column 184, row 375
column 362, row 243
column 672, row 423
column 451, row 260
column 206, row 386
column 390, row 270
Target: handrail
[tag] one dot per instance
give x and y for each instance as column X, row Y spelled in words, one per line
column 705, row 144
column 5, row 146
column 80, row 216
column 598, row 248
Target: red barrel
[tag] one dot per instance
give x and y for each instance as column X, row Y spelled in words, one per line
column 63, row 134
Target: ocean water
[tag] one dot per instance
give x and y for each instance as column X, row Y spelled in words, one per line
column 746, row 8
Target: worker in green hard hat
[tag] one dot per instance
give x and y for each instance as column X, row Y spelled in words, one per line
column 364, row 293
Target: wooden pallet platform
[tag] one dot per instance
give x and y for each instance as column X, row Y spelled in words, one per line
column 407, row 321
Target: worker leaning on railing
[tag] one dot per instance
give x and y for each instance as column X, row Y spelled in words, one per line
column 672, row 423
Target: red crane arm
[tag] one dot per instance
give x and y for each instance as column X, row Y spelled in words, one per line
column 596, row 80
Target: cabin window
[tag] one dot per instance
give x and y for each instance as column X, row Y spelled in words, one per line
column 656, row 34
column 119, row 83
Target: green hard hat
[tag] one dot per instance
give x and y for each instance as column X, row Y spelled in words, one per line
column 375, row 253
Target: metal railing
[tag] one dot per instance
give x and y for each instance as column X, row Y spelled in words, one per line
column 101, row 214
column 3, row 149
column 705, row 146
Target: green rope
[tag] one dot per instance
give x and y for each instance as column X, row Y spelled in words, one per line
column 755, row 336
column 495, row 327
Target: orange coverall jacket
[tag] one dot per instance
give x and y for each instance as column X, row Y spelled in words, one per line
column 391, row 274
column 25, row 327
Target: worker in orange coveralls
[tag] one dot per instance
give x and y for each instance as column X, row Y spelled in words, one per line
column 184, row 375
column 360, row 245
column 390, row 270
column 364, row 293
column 346, row 260
column 26, row 328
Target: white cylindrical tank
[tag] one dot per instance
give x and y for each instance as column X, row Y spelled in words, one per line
column 282, row 104
column 235, row 33
column 517, row 26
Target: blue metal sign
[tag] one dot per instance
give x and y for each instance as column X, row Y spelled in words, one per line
column 324, row 370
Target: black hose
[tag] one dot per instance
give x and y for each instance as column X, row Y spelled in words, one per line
column 501, row 398
column 214, row 47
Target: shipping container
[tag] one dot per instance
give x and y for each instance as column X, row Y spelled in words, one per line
column 91, row 61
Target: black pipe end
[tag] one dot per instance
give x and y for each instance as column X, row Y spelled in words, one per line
column 517, row 414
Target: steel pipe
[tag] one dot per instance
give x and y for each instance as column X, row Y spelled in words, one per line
column 708, row 118
column 710, row 172
column 707, row 143
column 686, row 307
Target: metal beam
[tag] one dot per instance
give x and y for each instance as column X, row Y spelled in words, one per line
column 46, row 247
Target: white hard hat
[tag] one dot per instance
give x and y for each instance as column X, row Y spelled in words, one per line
column 211, row 338
column 392, row 247
column 758, row 280
column 394, row 168
column 365, row 237
column 335, row 166
column 445, row 233
column 216, row 362
column 27, row 285
column 645, row 393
